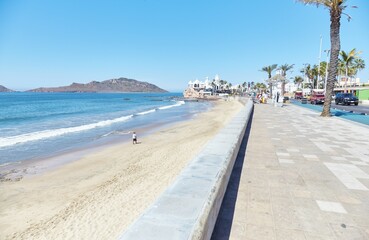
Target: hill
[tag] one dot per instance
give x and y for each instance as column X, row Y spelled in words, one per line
column 4, row 89
column 108, row 86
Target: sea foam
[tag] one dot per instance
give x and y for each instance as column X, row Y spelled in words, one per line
column 23, row 138
column 146, row 112
column 179, row 103
column 40, row 135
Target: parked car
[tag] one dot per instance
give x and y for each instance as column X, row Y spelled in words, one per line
column 346, row 99
column 317, row 98
column 298, row 95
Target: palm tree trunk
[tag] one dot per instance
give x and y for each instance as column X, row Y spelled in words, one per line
column 270, row 85
column 335, row 15
column 270, row 90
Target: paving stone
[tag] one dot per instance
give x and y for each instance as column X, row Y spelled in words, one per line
column 287, row 234
column 348, row 232
column 316, row 236
column 304, row 178
column 259, row 232
column 260, row 218
column 331, row 206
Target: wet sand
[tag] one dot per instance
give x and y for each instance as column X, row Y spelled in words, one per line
column 102, row 193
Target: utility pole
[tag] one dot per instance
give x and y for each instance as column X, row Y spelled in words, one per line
column 326, row 70
column 320, row 55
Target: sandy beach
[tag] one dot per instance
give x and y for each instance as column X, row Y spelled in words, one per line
column 102, row 193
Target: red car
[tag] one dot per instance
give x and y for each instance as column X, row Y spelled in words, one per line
column 317, row 98
column 298, row 95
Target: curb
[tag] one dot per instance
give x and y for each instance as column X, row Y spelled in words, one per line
column 189, row 208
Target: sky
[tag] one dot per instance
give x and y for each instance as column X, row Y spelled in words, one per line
column 166, row 42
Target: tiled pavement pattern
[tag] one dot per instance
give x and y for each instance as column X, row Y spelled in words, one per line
column 300, row 177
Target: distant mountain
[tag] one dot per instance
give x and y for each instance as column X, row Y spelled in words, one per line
column 4, row 89
column 111, row 86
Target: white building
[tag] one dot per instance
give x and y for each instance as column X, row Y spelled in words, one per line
column 200, row 89
column 290, row 87
column 206, row 85
column 199, row 85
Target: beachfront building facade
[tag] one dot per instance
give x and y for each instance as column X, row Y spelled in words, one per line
column 199, row 85
column 203, row 89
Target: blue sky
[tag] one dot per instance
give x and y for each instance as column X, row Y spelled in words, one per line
column 165, row 42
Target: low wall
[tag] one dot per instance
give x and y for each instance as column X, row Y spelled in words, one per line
column 188, row 209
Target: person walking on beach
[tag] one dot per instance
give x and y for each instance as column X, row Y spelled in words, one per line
column 134, row 138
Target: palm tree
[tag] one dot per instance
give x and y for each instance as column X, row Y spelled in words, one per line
column 310, row 74
column 315, row 76
column 213, row 87
column 323, row 71
column 298, row 80
column 244, row 86
column 284, row 69
column 239, row 89
column 269, row 69
column 348, row 60
column 335, row 8
column 359, row 64
column 260, row 87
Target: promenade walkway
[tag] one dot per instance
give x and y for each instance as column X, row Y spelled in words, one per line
column 298, row 176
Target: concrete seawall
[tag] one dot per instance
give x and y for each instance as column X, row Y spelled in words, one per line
column 188, row 209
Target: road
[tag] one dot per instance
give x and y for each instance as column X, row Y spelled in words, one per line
column 355, row 109
column 354, row 113
column 360, row 109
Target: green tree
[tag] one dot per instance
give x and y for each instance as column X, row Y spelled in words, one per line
column 348, row 60
column 359, row 64
column 213, row 87
column 309, row 73
column 298, row 80
column 260, row 87
column 284, row 69
column 315, row 76
column 269, row 69
column 335, row 8
column 323, row 71
column 244, row 86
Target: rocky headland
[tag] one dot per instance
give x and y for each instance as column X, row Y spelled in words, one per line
column 107, row 86
column 4, row 89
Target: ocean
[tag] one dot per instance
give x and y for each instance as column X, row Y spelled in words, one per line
column 40, row 125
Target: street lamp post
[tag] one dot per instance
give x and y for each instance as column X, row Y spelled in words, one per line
column 305, row 79
column 326, row 71
column 320, row 55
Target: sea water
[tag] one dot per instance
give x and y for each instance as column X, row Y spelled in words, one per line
column 36, row 125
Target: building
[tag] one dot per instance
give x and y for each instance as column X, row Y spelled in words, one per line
column 199, row 85
column 202, row 89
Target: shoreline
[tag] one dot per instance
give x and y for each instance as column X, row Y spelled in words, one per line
column 83, row 119
column 16, row 171
column 103, row 192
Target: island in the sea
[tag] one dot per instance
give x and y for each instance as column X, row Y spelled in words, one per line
column 4, row 89
column 107, row 86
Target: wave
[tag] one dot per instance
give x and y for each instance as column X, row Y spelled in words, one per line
column 147, row 112
column 23, row 138
column 115, row 133
column 43, row 115
column 40, row 135
column 8, row 163
column 179, row 103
